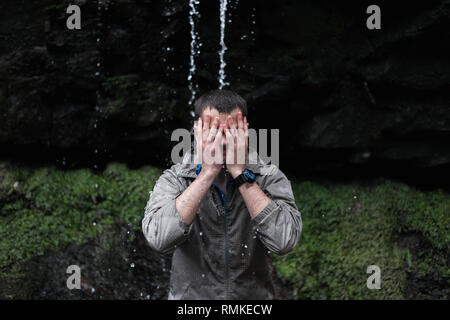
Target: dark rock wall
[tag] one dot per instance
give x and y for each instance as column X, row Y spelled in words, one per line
column 346, row 99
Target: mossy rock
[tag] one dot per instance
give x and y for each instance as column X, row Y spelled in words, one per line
column 346, row 228
column 50, row 215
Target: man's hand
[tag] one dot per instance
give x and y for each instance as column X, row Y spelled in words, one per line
column 209, row 145
column 237, row 149
column 209, row 154
column 237, row 144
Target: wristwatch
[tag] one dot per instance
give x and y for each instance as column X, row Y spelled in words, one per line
column 245, row 176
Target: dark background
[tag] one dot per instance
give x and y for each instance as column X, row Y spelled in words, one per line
column 349, row 102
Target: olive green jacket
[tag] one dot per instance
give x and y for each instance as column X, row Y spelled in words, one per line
column 223, row 253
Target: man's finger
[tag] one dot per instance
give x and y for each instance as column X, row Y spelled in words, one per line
column 218, row 145
column 207, row 121
column 239, row 119
column 198, row 140
column 198, row 127
column 229, row 136
column 230, row 147
column 219, row 135
column 231, row 123
column 213, row 131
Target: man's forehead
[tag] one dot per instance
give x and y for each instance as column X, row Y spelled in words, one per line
column 213, row 112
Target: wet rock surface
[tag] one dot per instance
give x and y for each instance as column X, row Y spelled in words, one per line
column 357, row 100
column 112, row 267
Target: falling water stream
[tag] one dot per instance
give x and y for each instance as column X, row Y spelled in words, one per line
column 223, row 13
column 195, row 47
column 195, row 50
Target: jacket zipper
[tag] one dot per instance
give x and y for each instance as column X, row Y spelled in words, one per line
column 227, row 275
column 227, row 266
column 225, row 232
column 222, row 209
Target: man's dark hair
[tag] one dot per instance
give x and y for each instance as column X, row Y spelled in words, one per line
column 224, row 101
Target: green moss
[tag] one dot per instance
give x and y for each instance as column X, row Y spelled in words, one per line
column 346, row 228
column 56, row 7
column 46, row 208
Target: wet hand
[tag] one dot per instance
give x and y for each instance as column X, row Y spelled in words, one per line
column 237, row 144
column 209, row 145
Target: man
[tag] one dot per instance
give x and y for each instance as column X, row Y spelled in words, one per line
column 222, row 217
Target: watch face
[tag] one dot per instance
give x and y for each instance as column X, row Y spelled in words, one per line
column 249, row 175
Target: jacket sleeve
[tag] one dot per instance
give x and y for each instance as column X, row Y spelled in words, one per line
column 162, row 225
column 279, row 224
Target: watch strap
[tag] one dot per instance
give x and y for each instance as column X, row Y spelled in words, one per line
column 242, row 178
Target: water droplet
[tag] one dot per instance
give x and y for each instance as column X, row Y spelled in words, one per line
column 201, row 233
column 203, row 275
column 132, row 265
column 94, row 223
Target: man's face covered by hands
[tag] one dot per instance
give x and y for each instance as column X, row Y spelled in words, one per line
column 225, row 131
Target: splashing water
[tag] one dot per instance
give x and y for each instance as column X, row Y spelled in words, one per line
column 223, row 12
column 195, row 45
column 98, row 73
column 253, row 24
